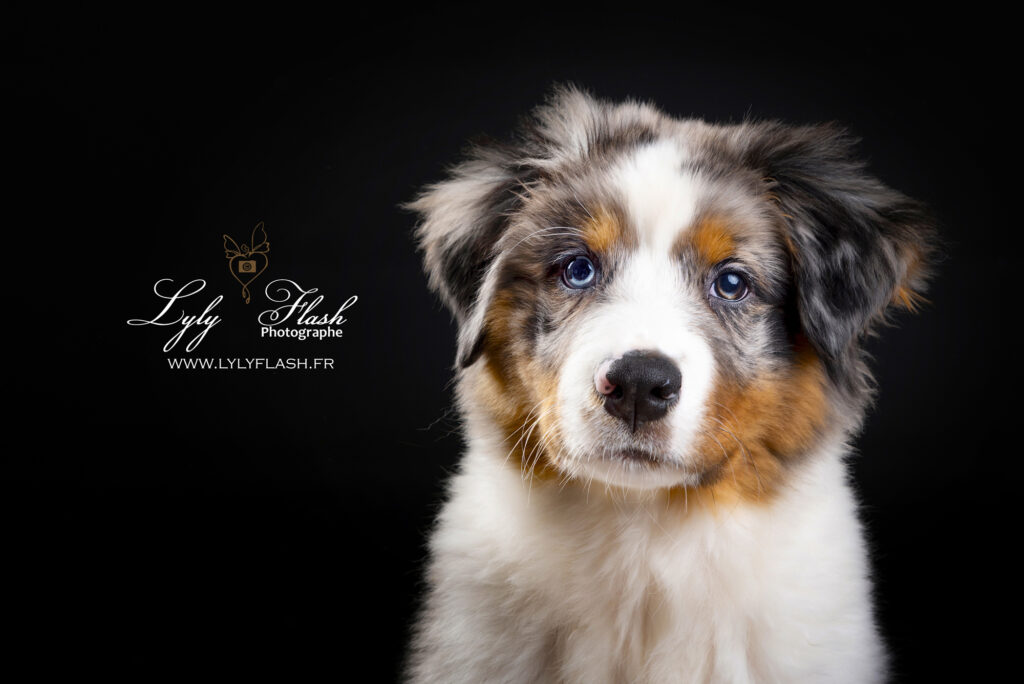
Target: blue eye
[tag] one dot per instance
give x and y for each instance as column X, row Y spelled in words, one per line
column 579, row 273
column 730, row 285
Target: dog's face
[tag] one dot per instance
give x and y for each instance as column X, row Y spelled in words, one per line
column 656, row 303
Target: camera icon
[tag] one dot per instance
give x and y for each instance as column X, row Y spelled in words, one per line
column 247, row 266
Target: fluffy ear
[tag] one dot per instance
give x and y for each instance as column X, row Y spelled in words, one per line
column 858, row 247
column 462, row 219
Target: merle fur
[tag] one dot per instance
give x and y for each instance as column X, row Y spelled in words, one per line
column 851, row 237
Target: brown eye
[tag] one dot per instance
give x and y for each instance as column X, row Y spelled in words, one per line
column 730, row 286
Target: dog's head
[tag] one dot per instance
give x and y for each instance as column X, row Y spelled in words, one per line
column 656, row 302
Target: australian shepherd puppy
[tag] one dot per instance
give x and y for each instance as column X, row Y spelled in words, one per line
column 660, row 367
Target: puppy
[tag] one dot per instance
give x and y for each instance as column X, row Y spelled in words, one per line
column 660, row 366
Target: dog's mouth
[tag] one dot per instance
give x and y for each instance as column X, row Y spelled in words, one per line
column 637, row 467
column 634, row 456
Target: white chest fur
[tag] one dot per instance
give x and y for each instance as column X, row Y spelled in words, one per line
column 533, row 583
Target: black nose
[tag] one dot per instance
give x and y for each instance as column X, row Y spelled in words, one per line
column 646, row 386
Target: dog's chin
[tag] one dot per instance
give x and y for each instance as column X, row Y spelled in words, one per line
column 636, row 468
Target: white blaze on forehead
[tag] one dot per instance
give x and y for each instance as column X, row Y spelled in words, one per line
column 660, row 195
column 646, row 308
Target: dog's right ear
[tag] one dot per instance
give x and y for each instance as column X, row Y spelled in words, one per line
column 462, row 220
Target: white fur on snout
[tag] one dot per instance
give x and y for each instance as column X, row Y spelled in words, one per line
column 649, row 310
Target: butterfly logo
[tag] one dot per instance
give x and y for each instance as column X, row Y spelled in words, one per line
column 246, row 263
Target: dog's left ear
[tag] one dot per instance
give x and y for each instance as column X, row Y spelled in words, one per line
column 857, row 247
column 462, row 220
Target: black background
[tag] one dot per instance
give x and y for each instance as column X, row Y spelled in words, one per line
column 164, row 520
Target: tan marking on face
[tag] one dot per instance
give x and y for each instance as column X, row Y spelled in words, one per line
column 603, row 230
column 711, row 239
column 520, row 394
column 753, row 430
